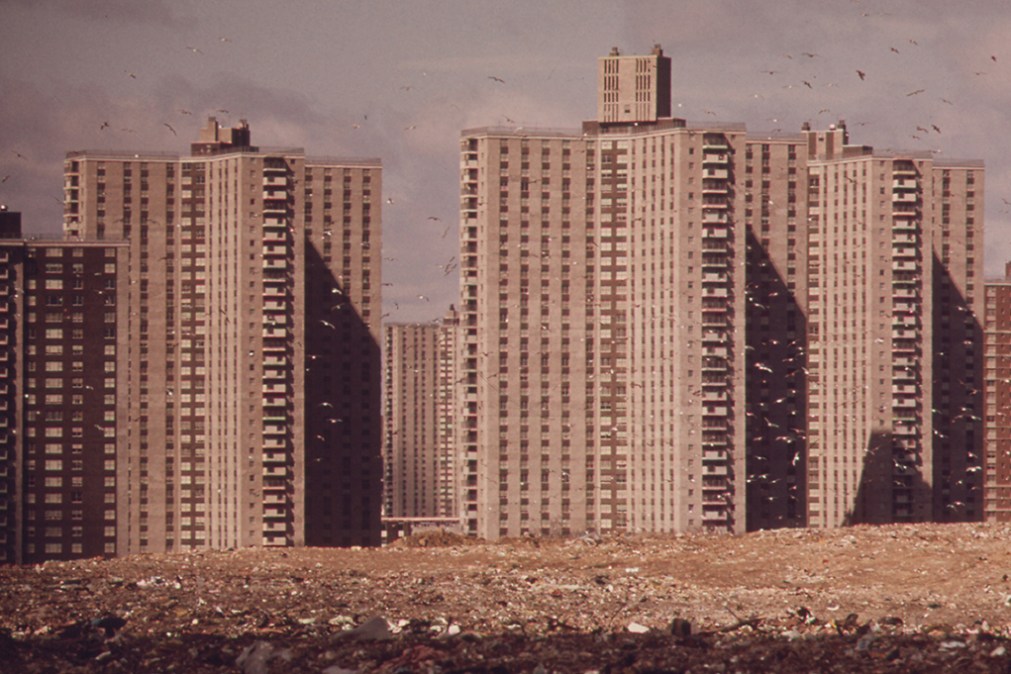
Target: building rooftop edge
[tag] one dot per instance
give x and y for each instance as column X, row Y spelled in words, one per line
column 260, row 151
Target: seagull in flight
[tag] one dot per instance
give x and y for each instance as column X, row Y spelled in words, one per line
column 496, row 79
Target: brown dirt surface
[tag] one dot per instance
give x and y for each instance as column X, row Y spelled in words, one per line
column 894, row 598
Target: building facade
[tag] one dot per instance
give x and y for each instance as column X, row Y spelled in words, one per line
column 421, row 472
column 997, row 399
column 253, row 383
column 671, row 326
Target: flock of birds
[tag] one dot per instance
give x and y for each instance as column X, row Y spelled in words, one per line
column 801, row 70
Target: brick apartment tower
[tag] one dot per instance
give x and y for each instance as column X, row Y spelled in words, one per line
column 421, row 472
column 252, row 349
column 603, row 279
column 61, row 323
column 997, row 399
column 637, row 304
column 894, row 353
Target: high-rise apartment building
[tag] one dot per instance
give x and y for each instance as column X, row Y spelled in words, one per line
column 603, row 277
column 61, row 325
column 253, row 362
column 422, row 476
column 672, row 326
column 997, row 399
column 894, row 352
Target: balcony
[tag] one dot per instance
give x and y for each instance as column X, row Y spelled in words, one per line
column 710, row 157
column 714, row 234
column 275, row 471
column 714, row 395
column 904, row 265
column 713, row 516
column 715, row 410
column 904, row 251
column 713, row 216
column 276, row 263
column 714, row 337
column 274, row 290
column 275, row 180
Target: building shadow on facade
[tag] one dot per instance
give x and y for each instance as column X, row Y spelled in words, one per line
column 343, row 421
column 892, row 487
column 776, row 390
column 957, row 401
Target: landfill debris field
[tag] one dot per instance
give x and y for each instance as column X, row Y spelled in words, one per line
column 921, row 598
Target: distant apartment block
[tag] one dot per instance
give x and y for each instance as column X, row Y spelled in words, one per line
column 671, row 326
column 422, row 474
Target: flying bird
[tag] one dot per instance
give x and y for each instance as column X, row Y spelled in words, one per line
column 496, row 79
column 169, row 127
column 862, row 74
column 918, row 91
column 195, row 50
column 894, row 50
column 105, row 125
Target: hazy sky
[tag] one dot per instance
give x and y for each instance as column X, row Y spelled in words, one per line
column 400, row 80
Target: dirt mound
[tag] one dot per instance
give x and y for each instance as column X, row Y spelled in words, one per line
column 433, row 538
column 893, row 598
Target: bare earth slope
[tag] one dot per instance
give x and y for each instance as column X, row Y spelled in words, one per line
column 895, row 598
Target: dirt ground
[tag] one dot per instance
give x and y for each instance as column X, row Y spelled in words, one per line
column 895, row 598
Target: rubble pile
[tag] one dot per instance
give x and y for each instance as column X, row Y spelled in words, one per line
column 895, row 598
